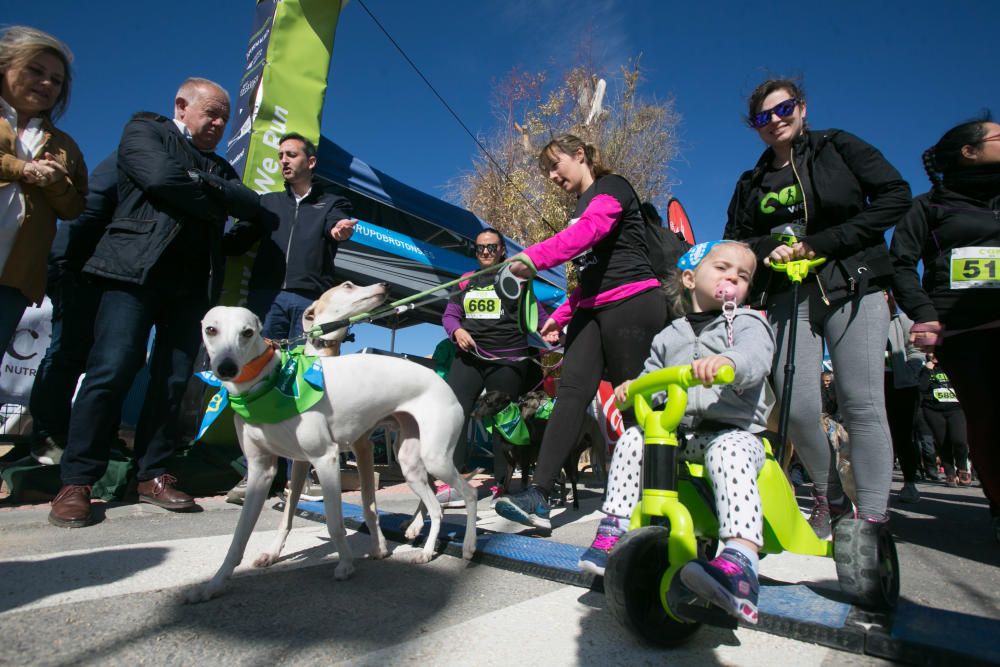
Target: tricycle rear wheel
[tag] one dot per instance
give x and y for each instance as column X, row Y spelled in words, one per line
column 867, row 563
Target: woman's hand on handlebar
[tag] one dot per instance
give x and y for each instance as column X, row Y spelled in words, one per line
column 704, row 370
column 550, row 331
column 621, row 391
column 464, row 340
column 789, row 253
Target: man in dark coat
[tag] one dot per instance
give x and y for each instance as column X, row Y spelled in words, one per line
column 158, row 263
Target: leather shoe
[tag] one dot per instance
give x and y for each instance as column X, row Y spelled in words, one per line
column 160, row 491
column 71, row 507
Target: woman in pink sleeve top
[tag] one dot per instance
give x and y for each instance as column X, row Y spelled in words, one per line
column 612, row 315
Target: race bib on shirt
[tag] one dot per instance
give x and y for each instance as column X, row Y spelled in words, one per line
column 482, row 304
column 975, row 267
column 943, row 395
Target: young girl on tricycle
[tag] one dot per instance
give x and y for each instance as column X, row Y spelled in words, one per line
column 719, row 428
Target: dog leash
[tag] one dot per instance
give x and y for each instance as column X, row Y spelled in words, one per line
column 286, row 343
column 397, row 307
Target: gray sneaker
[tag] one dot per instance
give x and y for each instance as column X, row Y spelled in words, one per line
column 237, row 493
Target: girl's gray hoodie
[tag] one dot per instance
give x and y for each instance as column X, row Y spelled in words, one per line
column 745, row 403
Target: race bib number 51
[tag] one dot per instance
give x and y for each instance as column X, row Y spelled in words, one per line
column 975, row 267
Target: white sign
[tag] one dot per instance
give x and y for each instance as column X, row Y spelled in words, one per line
column 24, row 353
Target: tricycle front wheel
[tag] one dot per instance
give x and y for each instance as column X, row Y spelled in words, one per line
column 632, row 587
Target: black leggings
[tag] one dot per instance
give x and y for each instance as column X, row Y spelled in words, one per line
column 616, row 338
column 468, row 377
column 971, row 361
column 948, row 427
column 900, row 407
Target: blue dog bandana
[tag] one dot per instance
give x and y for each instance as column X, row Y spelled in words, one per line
column 692, row 258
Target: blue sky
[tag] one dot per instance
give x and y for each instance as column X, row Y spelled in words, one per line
column 897, row 74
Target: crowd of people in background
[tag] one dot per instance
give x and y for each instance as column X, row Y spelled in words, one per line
column 914, row 356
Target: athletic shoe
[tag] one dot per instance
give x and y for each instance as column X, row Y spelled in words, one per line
column 46, row 451
column 824, row 514
column 529, row 507
column 964, row 478
column 449, row 497
column 728, row 582
column 595, row 559
column 909, row 493
column 311, row 490
column 951, row 480
column 933, row 475
column 238, row 493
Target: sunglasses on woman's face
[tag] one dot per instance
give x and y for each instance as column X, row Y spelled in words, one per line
column 781, row 110
column 487, row 248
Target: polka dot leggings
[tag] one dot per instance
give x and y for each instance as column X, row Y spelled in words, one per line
column 733, row 459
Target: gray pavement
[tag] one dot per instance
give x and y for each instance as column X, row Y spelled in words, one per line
column 111, row 594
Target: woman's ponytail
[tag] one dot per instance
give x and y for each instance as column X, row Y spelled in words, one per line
column 930, row 168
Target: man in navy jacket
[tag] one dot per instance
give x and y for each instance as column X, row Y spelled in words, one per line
column 158, row 263
column 299, row 230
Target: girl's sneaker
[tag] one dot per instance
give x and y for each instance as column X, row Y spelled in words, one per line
column 964, row 478
column 529, row 507
column 729, row 582
column 595, row 559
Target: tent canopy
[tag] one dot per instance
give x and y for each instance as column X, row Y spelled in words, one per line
column 407, row 238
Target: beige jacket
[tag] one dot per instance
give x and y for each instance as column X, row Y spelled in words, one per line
column 26, row 267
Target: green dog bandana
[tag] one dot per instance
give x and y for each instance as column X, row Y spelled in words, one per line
column 512, row 427
column 295, row 385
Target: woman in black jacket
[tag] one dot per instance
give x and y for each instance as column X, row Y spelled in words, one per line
column 955, row 231
column 827, row 194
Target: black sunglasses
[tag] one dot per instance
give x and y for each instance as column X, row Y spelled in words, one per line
column 487, row 248
column 781, row 110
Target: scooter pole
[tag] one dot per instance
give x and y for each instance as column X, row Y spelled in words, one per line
column 796, row 271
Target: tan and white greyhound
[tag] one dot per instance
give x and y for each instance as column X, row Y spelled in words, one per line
column 360, row 391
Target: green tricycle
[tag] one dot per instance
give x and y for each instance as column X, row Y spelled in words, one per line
column 675, row 522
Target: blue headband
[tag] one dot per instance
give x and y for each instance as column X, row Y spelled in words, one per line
column 692, row 258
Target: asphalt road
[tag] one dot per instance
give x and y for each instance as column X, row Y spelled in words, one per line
column 111, row 594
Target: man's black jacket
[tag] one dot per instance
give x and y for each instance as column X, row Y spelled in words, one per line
column 173, row 201
column 296, row 252
column 75, row 240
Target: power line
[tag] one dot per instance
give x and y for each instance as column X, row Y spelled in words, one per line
column 456, row 116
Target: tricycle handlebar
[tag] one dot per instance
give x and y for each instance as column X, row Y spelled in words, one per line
column 681, row 376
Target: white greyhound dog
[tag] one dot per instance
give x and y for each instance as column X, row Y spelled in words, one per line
column 360, row 391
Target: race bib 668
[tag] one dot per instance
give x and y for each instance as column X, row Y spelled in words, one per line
column 482, row 304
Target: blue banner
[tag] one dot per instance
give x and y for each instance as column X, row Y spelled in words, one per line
column 407, row 247
column 245, row 110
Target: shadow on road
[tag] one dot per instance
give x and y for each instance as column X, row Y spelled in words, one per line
column 26, row 581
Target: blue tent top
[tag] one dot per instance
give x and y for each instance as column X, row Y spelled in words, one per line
column 402, row 208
